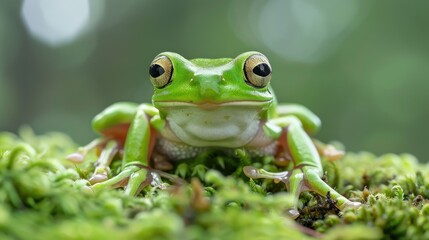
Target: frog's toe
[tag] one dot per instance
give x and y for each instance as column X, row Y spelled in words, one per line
column 331, row 153
column 351, row 204
column 79, row 156
column 292, row 213
column 256, row 173
column 76, row 157
column 119, row 180
column 100, row 174
column 98, row 178
column 251, row 172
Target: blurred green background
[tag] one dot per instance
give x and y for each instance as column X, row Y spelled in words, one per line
column 362, row 66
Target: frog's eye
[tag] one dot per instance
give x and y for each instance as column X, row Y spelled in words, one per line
column 257, row 70
column 161, row 71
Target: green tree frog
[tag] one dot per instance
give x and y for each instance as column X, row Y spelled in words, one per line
column 209, row 103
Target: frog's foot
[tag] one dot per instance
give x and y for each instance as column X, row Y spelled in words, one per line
column 292, row 181
column 314, row 182
column 303, row 178
column 255, row 173
column 108, row 150
column 328, row 151
column 350, row 204
column 100, row 174
column 331, row 153
column 78, row 156
column 102, row 169
column 135, row 177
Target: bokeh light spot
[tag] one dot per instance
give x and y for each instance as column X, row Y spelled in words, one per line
column 302, row 30
column 56, row 22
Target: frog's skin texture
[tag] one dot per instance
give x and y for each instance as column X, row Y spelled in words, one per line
column 205, row 103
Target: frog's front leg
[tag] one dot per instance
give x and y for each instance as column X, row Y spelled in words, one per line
column 307, row 161
column 128, row 129
column 307, row 172
column 112, row 124
column 140, row 139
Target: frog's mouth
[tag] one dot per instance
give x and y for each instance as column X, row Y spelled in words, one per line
column 207, row 124
column 208, row 105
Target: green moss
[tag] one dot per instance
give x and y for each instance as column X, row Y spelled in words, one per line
column 43, row 196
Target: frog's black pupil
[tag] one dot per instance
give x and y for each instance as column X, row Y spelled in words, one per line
column 156, row 70
column 262, row 70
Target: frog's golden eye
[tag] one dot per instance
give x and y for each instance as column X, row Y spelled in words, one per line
column 257, row 71
column 161, row 71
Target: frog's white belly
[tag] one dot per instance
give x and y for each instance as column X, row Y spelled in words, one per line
column 226, row 126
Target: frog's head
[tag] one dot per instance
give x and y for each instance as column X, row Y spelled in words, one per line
column 211, row 82
column 211, row 93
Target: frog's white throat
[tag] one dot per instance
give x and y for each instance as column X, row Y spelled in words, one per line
column 227, row 126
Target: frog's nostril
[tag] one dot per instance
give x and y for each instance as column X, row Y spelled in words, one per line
column 209, row 91
column 208, row 84
column 209, row 87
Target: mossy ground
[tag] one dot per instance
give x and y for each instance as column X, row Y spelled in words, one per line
column 43, row 196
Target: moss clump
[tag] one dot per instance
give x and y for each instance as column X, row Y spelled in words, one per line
column 43, row 196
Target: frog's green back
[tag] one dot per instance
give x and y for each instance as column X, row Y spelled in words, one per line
column 207, row 62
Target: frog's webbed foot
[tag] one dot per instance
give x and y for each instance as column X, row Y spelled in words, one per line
column 135, row 177
column 102, row 170
column 109, row 149
column 304, row 178
column 256, row 173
